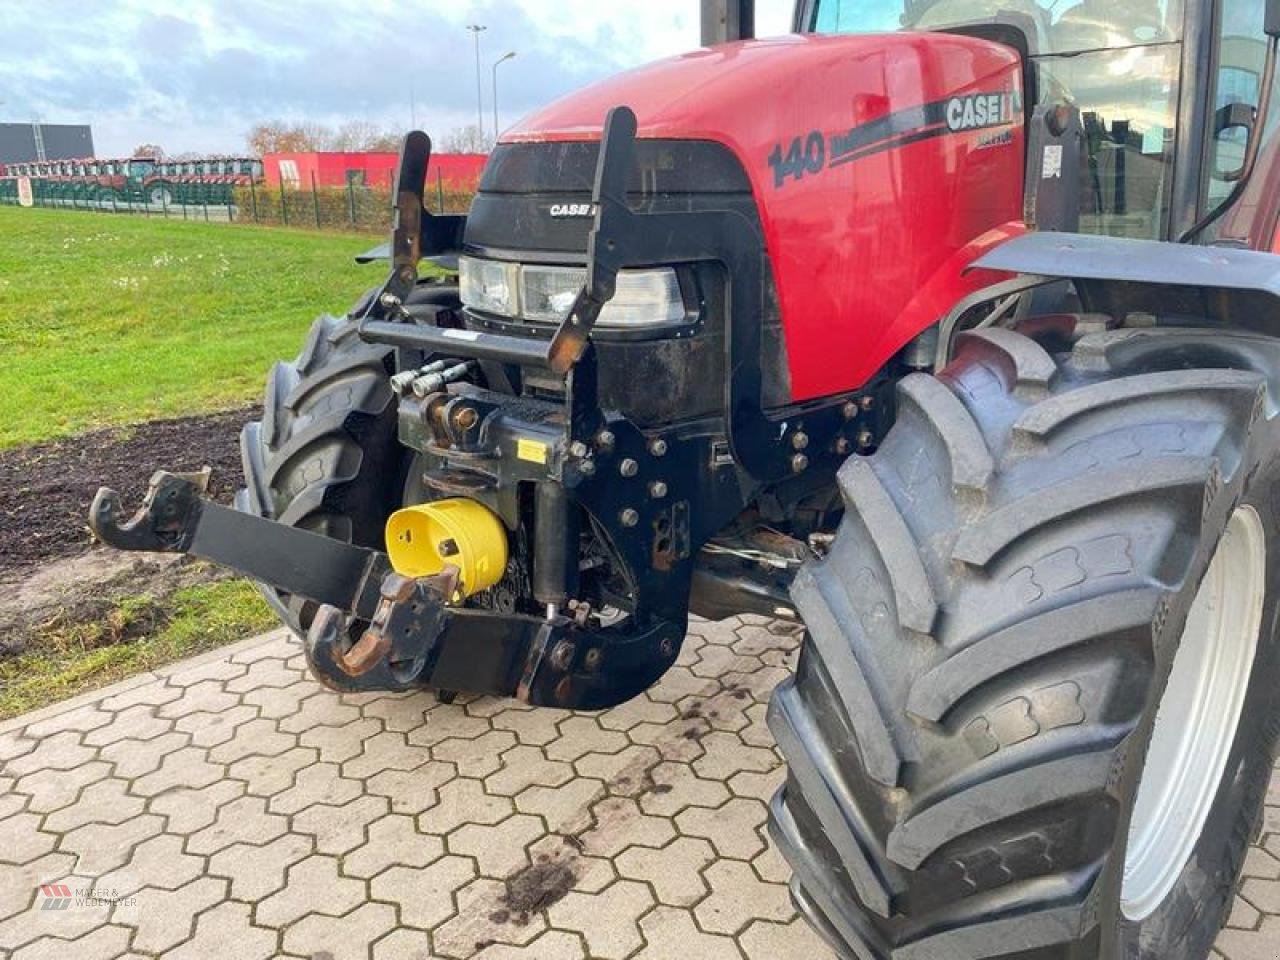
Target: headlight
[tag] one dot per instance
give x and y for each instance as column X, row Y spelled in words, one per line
column 489, row 285
column 643, row 298
column 547, row 293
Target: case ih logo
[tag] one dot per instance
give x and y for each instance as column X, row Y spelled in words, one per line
column 57, row 896
column 815, row 152
column 977, row 111
column 562, row 210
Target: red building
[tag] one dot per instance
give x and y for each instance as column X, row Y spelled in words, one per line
column 458, row 170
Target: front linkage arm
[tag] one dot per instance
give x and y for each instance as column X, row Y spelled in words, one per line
column 175, row 518
column 407, row 635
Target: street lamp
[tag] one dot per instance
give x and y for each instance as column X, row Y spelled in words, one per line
column 497, row 63
column 477, row 29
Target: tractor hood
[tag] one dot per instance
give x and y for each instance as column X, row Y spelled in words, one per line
column 880, row 167
column 740, row 93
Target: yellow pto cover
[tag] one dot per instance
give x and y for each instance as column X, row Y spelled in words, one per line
column 423, row 539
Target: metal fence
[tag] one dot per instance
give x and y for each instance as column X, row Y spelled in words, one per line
column 355, row 206
column 71, row 195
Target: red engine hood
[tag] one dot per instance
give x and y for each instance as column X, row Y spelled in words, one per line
column 920, row 138
column 744, row 93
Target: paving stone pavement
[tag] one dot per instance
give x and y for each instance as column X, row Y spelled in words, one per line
column 229, row 806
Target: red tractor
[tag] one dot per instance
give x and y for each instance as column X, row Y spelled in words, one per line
column 945, row 327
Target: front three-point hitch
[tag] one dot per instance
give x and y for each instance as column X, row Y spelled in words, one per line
column 380, row 630
column 398, row 620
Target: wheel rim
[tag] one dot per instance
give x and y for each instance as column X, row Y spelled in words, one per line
column 1197, row 718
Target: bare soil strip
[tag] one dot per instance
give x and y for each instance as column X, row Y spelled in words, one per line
column 74, row 615
column 46, row 489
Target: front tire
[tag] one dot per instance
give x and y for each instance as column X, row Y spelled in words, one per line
column 992, row 638
column 325, row 456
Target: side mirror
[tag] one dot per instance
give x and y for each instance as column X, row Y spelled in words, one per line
column 1271, row 19
column 1234, row 116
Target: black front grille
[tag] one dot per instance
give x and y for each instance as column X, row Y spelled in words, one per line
column 529, row 189
column 662, row 166
column 534, row 207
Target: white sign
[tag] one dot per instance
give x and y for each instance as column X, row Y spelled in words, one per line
column 25, row 196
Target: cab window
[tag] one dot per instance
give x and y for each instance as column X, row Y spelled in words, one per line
column 1053, row 26
column 1241, row 50
column 1118, row 61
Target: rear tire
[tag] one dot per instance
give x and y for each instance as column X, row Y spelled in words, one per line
column 992, row 633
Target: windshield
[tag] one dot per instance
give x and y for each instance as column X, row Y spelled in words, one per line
column 1052, row 26
column 1118, row 61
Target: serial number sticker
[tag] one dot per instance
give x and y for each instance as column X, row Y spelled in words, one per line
column 1052, row 162
column 531, row 450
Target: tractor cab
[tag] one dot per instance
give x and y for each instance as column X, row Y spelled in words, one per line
column 139, row 168
column 1167, row 92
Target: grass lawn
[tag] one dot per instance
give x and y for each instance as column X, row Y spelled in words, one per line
column 114, row 320
column 117, row 319
column 130, row 634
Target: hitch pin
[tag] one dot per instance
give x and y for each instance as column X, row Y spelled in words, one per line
column 425, row 386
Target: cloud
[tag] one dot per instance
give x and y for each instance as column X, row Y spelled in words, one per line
column 197, row 75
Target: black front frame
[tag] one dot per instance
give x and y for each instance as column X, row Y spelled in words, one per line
column 607, row 466
column 714, row 467
column 623, row 239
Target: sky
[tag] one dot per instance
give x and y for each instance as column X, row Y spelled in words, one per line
column 197, row 75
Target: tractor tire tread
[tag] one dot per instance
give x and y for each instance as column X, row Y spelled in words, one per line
column 866, row 495
column 1005, row 561
column 324, row 457
column 970, row 462
column 1033, row 366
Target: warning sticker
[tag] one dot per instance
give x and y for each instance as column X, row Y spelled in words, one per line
column 531, row 450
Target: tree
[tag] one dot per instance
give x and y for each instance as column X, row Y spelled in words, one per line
column 312, row 135
column 265, row 137
column 275, row 136
column 467, row 140
column 351, row 136
column 152, row 150
column 385, row 141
